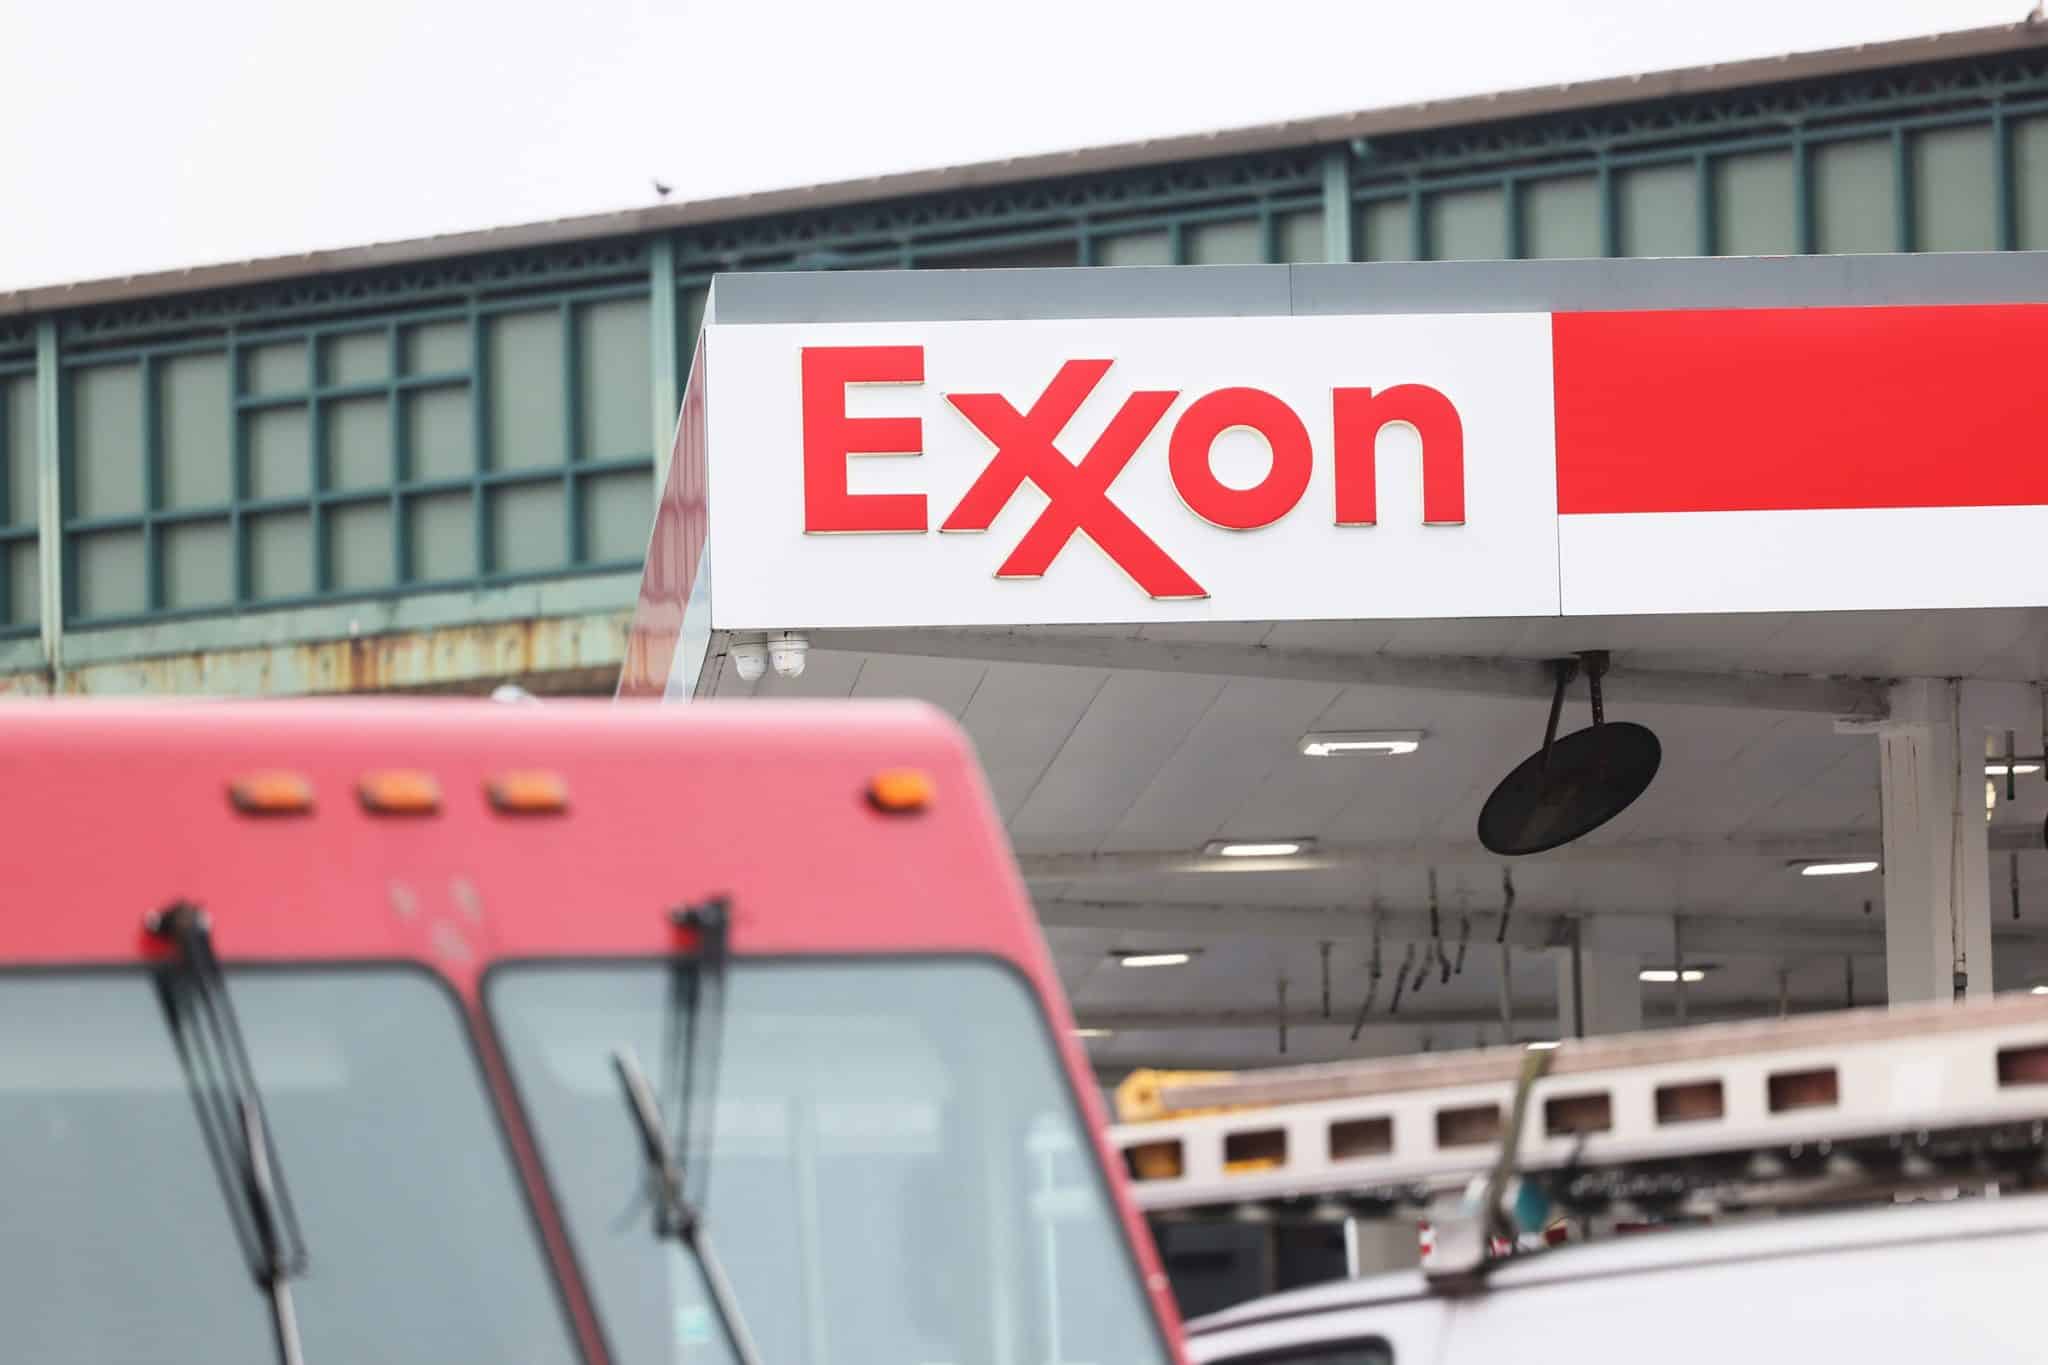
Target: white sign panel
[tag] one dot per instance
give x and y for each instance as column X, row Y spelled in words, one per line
column 1076, row 471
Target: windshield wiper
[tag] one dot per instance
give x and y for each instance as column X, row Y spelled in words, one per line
column 216, row 1062
column 679, row 1213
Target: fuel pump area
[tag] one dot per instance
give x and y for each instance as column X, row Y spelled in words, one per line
column 1254, row 585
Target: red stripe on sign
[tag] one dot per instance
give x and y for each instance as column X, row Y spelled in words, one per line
column 1792, row 409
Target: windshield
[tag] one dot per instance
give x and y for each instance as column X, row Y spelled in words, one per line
column 897, row 1173
column 119, row 1244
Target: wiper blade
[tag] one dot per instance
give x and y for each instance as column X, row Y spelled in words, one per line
column 679, row 1213
column 216, row 1061
column 675, row 1216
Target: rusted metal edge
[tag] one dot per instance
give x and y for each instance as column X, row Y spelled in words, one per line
column 557, row 655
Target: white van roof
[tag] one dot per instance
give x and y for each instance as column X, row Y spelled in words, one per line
column 1675, row 1248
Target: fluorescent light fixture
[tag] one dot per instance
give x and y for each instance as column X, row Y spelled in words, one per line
column 2018, row 769
column 1094, row 1033
column 2039, row 990
column 1255, row 848
column 1666, row 976
column 1154, row 959
column 1543, row 1046
column 1842, row 869
column 1337, row 743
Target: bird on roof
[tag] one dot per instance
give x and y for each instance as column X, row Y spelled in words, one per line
column 663, row 190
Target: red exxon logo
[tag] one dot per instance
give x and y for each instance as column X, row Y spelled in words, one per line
column 1078, row 491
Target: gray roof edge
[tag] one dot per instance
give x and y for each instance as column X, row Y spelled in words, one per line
column 1382, row 287
column 1329, row 129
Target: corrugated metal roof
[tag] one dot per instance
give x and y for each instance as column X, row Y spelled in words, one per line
column 1329, row 129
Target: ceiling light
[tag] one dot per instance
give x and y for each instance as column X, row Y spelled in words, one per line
column 1843, row 869
column 1666, row 976
column 1544, row 1046
column 2018, row 769
column 1336, row 743
column 1094, row 1033
column 1153, row 959
column 2039, row 990
column 1255, row 848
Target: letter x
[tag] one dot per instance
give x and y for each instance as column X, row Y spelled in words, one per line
column 1077, row 494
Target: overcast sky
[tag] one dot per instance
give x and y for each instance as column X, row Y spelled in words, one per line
column 140, row 135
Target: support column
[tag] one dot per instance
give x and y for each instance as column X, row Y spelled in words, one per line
column 1597, row 992
column 50, row 495
column 1937, row 906
column 665, row 345
column 1337, row 244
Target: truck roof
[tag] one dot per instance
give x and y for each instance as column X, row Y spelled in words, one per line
column 127, row 808
column 1675, row 1248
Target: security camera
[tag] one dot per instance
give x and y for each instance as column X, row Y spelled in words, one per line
column 750, row 660
column 786, row 652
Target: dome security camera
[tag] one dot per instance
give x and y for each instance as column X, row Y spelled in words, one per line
column 749, row 660
column 786, row 654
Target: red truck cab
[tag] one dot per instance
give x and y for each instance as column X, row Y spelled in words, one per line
column 323, row 1021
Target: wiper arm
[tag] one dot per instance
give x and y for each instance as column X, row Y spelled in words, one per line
column 209, row 1041
column 675, row 1216
column 679, row 1215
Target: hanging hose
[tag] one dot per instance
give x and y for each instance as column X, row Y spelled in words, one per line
column 1507, row 903
column 1401, row 979
column 1464, row 940
column 1372, row 988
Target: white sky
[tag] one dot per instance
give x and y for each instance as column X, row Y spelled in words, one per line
column 141, row 135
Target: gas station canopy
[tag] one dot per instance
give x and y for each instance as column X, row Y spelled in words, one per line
column 1251, row 584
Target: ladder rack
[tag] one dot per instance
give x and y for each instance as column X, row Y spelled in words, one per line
column 1822, row 1106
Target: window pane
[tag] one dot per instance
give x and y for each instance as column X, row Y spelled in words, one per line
column 120, row 1248
column 436, row 348
column 442, row 532
column 280, row 456
column 106, row 441
column 1467, row 225
column 109, row 565
column 1385, row 230
column 198, row 454
column 523, row 352
column 2030, row 172
column 1299, row 236
column 1954, row 206
column 24, row 584
column 1755, row 205
column 1660, row 210
column 1134, row 248
column 437, row 434
column 1236, row 243
column 1561, row 218
column 357, row 358
column 1854, row 199
column 18, row 440
column 529, row 529
column 615, row 373
column 279, row 367
column 358, row 442
column 280, row 554
column 895, row 1138
column 359, row 542
column 199, row 565
column 618, row 511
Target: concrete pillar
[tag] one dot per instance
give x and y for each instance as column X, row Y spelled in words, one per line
column 1598, row 993
column 1937, row 908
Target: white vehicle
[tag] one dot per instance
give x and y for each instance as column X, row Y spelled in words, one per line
column 1852, row 1187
